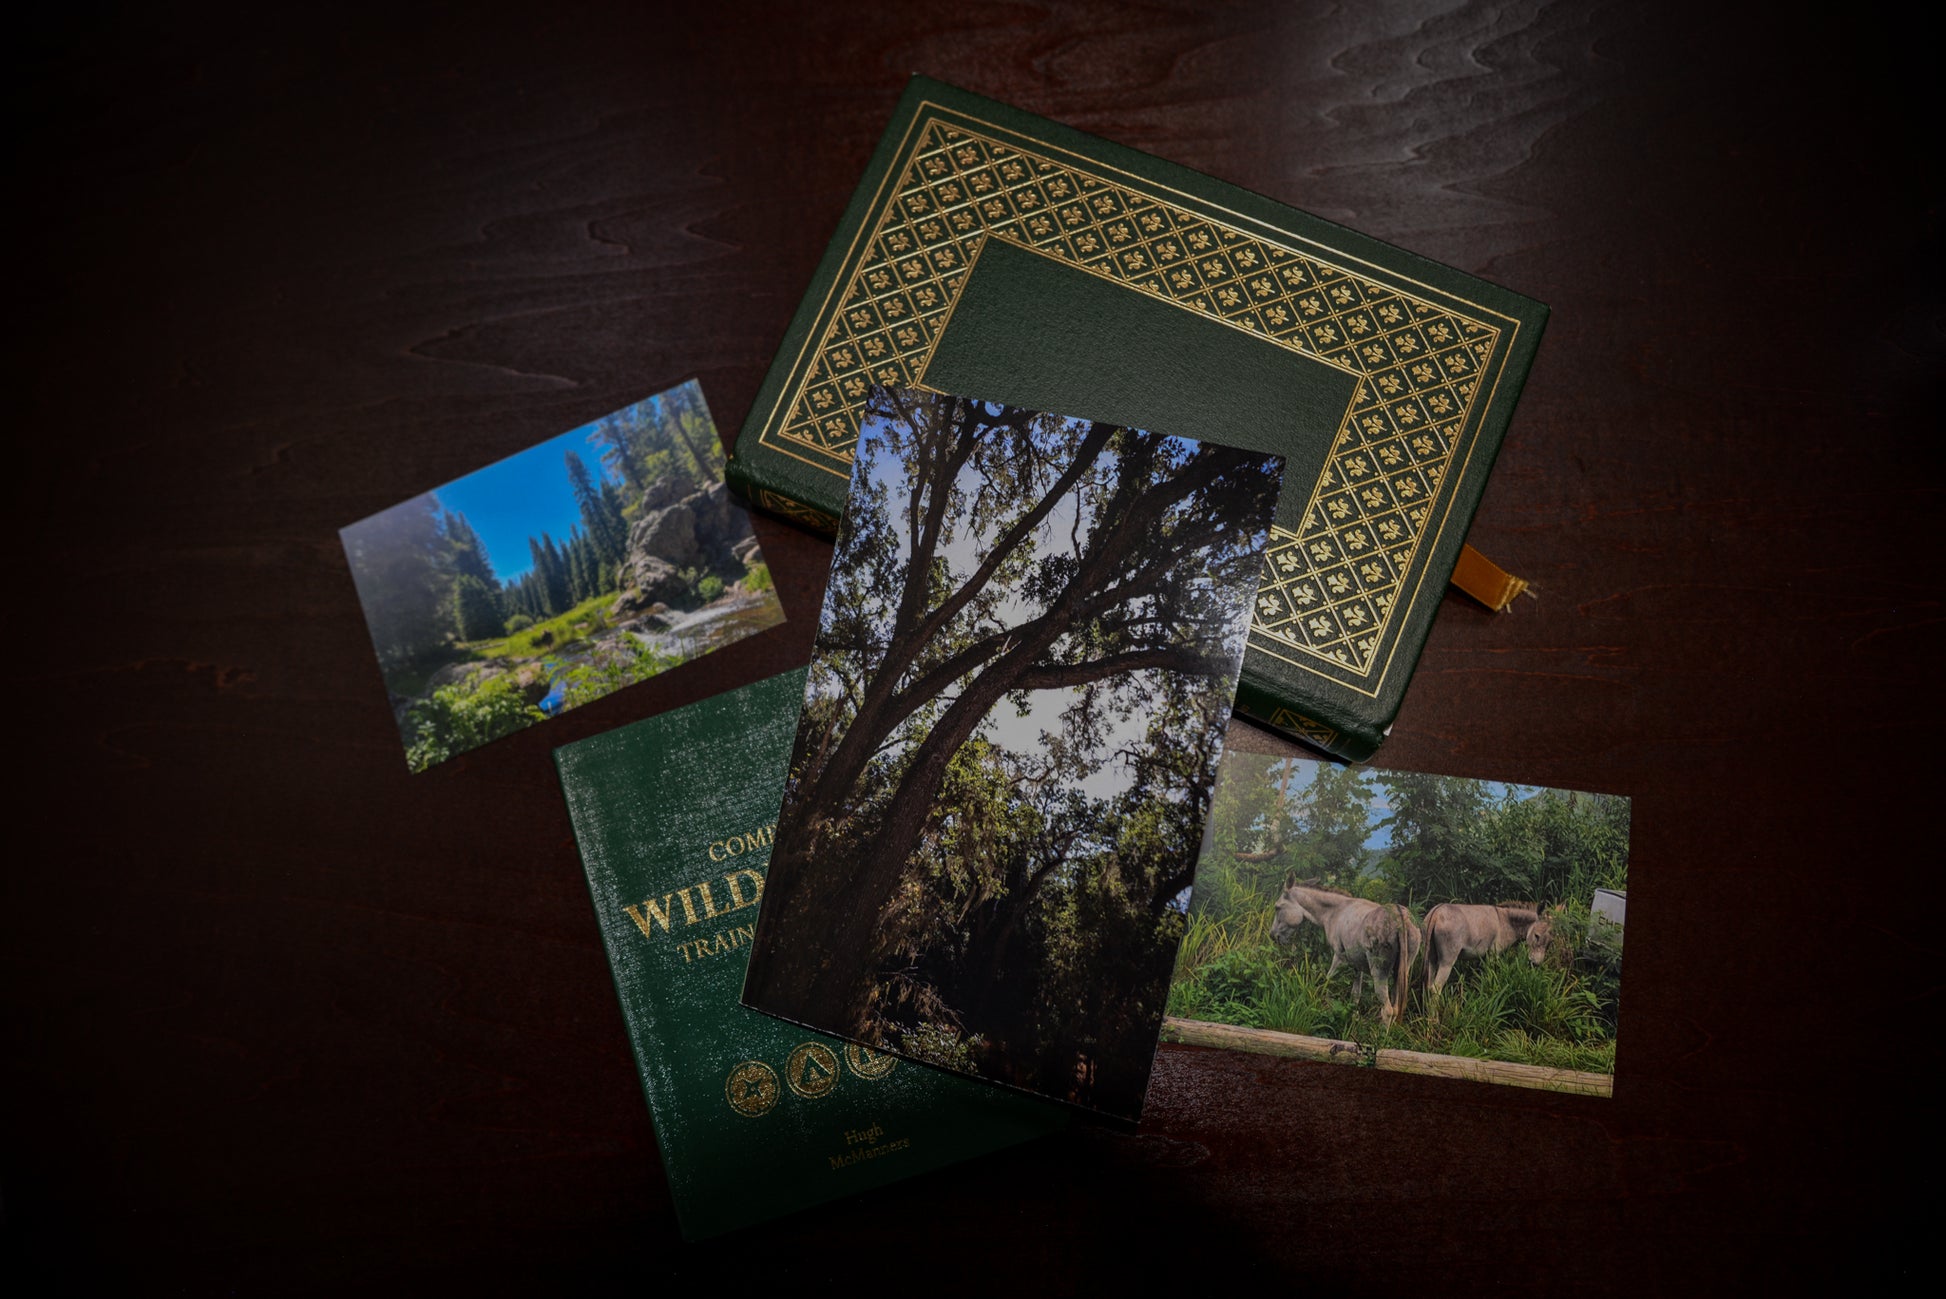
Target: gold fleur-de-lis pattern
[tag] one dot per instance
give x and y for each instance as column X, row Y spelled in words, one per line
column 1330, row 588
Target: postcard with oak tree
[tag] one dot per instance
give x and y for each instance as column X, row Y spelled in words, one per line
column 1027, row 654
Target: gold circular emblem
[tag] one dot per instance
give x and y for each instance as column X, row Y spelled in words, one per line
column 812, row 1070
column 751, row 1089
column 869, row 1064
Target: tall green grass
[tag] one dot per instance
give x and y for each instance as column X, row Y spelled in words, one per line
column 1503, row 1008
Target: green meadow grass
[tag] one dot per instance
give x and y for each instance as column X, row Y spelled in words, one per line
column 578, row 623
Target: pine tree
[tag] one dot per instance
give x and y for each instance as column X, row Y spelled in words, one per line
column 476, row 613
column 590, row 568
column 611, row 504
column 619, row 433
column 688, row 426
column 538, row 579
column 469, row 552
column 601, row 519
column 577, row 551
column 555, row 573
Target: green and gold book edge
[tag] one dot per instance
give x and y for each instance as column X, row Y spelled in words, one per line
column 759, row 475
column 1324, row 728
column 639, row 1022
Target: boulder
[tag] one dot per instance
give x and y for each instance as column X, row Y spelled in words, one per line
column 722, row 526
column 705, row 531
column 661, row 494
column 667, row 534
column 649, row 585
column 657, row 617
column 711, row 508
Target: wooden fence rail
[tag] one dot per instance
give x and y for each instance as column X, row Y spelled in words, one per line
column 1263, row 1041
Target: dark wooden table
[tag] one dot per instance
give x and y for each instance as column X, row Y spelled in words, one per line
column 280, row 1017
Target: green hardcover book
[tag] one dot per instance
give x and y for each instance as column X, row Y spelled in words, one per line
column 994, row 254
column 755, row 1117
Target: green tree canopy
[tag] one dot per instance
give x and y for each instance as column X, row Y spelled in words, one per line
column 669, row 436
column 1453, row 841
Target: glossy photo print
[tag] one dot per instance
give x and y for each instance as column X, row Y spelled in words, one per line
column 1026, row 658
column 1428, row 924
column 558, row 575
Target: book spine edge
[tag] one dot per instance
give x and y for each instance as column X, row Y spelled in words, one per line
column 1325, row 729
column 749, row 482
column 639, row 1021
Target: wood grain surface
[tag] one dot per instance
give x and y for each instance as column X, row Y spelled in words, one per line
column 281, row 1018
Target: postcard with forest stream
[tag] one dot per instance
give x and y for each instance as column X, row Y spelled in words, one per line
column 560, row 574
column 1025, row 662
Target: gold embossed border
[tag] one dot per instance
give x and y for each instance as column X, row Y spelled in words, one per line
column 1330, row 588
column 797, row 511
column 1298, row 724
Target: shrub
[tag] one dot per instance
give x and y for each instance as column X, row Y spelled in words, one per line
column 1239, row 975
column 758, row 578
column 461, row 717
column 518, row 623
column 710, row 588
column 590, row 681
column 942, row 1045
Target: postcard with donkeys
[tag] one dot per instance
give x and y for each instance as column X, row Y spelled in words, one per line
column 1026, row 658
column 1426, row 924
column 558, row 575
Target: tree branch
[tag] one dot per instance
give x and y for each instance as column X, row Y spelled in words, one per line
column 1057, row 676
column 1085, row 455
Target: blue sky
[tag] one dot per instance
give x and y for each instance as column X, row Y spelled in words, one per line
column 523, row 496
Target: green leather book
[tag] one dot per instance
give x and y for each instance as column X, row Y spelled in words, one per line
column 994, row 254
column 754, row 1117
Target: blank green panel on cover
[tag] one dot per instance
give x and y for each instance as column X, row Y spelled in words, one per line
column 1032, row 331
